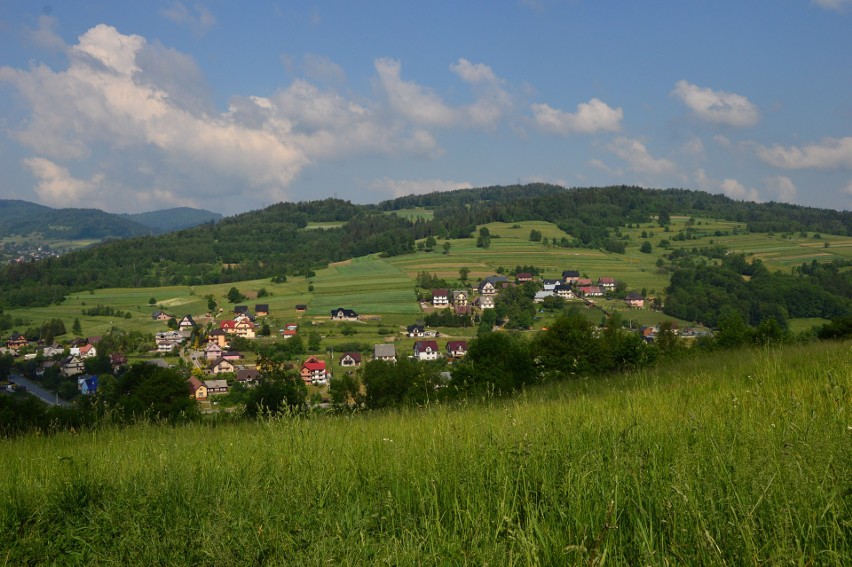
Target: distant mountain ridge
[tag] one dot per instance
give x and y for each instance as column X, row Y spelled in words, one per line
column 23, row 218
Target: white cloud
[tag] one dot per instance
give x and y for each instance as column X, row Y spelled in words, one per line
column 736, row 190
column 781, row 188
column 199, row 19
column 593, row 116
column 834, row 5
column 415, row 103
column 717, row 106
column 831, row 153
column 44, row 35
column 56, row 186
column 323, row 69
column 402, row 187
column 638, row 157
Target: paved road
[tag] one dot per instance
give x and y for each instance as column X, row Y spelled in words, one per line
column 35, row 389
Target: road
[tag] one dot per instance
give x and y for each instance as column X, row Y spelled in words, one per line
column 35, row 389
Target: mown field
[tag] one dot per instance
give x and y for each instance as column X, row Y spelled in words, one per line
column 732, row 458
column 385, row 287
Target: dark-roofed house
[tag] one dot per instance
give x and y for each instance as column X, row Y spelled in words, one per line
column 635, row 299
column 186, row 323
column 426, row 350
column 301, row 307
column 415, row 330
column 261, row 309
column 523, row 277
column 341, row 314
column 197, row 389
column 351, row 359
column 241, row 309
column 440, row 297
column 456, row 349
column 248, row 376
column 460, row 297
column 221, row 366
column 384, row 352
column 16, row 341
column 160, row 316
column 570, row 276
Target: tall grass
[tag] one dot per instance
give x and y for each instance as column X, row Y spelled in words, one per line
column 726, row 459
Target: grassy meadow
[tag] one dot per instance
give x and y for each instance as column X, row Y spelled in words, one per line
column 732, row 458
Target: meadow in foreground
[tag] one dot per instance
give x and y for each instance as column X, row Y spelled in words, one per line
column 737, row 458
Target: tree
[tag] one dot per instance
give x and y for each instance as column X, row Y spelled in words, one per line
column 663, row 217
column 152, row 301
column 277, row 391
column 430, row 243
column 149, row 391
column 446, row 246
column 500, row 361
column 234, row 295
column 464, row 272
column 262, row 293
column 172, row 324
column 484, row 239
column 211, row 304
column 314, row 341
column 646, row 247
column 345, row 392
column 76, row 328
column 535, row 235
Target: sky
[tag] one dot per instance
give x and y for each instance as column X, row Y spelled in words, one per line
column 226, row 106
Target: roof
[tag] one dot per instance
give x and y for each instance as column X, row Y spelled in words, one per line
column 606, row 280
column 248, row 374
column 634, row 296
column 570, row 274
column 414, row 327
column 422, row 346
column 240, row 308
column 441, row 292
column 384, row 351
column 346, row 312
column 187, row 319
column 261, row 307
column 313, row 363
column 194, row 384
column 216, row 384
column 356, row 356
column 301, row 307
column 457, row 345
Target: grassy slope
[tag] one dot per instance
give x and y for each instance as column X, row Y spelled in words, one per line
column 726, row 459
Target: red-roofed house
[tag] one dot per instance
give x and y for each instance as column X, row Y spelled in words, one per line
column 456, row 349
column 606, row 283
column 351, row 359
column 426, row 350
column 440, row 297
column 313, row 371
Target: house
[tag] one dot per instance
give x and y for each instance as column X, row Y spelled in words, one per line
column 313, row 371
column 87, row 384
column 218, row 336
column 229, row 326
column 301, row 307
column 288, row 333
column 213, row 351
column 351, row 359
column 244, row 317
column 216, row 386
column 582, row 282
column 440, row 297
column 84, row 351
column 51, row 351
column 186, row 323
column 591, row 291
column 45, row 366
column 456, row 349
column 248, row 376
column 71, row 366
column 244, row 328
column 570, row 276
column 117, row 360
column 492, row 284
column 564, row 291
column 460, row 298
column 197, row 389
column 606, row 283
column 261, row 310
column 384, row 352
column 161, row 316
column 635, row 299
column 341, row 314
column 540, row 296
column 550, row 285
column 220, row 366
column 426, row 350
column 484, row 302
column 16, row 341
column 523, row 277
column 415, row 330
column 241, row 310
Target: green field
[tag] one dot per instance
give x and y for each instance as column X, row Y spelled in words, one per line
column 732, row 458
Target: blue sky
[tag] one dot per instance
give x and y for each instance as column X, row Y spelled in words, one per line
column 138, row 106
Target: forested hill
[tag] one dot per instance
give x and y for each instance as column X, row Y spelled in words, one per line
column 273, row 241
column 22, row 218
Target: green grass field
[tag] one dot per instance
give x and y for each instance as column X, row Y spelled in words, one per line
column 733, row 458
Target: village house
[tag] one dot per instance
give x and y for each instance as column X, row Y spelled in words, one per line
column 240, row 310
column 197, row 389
column 314, row 371
column 591, row 291
column 426, row 350
column 385, row 352
column 350, row 360
column 248, row 376
column 117, row 360
column 220, row 366
column 570, row 276
column 564, row 291
column 460, row 298
column 523, row 277
column 232, row 355
column 16, row 341
column 456, row 349
column 492, row 284
column 301, row 307
column 341, row 314
column 218, row 337
column 415, row 330
column 550, row 285
column 71, row 366
column 245, row 329
column 606, row 283
column 440, row 297
column 87, row 384
column 83, row 351
column 582, row 282
column 186, row 323
column 484, row 302
column 634, row 299
column 213, row 351
column 261, row 310
column 288, row 333
column 216, row 387
column 161, row 316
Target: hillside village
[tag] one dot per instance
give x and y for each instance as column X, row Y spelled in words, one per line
column 205, row 341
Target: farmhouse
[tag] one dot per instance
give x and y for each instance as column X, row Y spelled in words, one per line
column 635, row 299
column 426, row 350
column 523, row 277
column 161, row 316
column 16, row 341
column 415, row 330
column 220, row 366
column 197, row 389
column 385, row 352
column 351, row 360
column 313, row 371
column 261, row 310
column 341, row 314
column 248, row 376
column 218, row 336
column 186, row 323
column 216, row 386
column 564, row 291
column 460, row 298
column 484, row 302
column 71, row 366
column 606, row 283
column 570, row 276
column 87, row 384
column 213, row 351
column 440, row 297
column 456, row 349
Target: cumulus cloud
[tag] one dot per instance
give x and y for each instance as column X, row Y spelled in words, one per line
column 56, row 186
column 412, row 101
column 402, row 187
column 639, row 158
column 44, row 35
column 593, row 116
column 834, row 5
column 199, row 19
column 736, row 190
column 781, row 188
column 831, row 153
column 719, row 107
